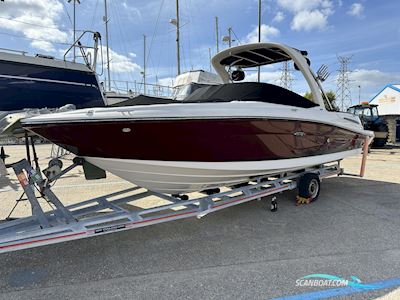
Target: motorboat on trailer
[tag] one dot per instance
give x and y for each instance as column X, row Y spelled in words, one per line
column 221, row 135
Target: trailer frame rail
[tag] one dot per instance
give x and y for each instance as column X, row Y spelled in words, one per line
column 113, row 212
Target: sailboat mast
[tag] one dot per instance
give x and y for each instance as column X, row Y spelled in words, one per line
column 107, row 48
column 74, row 25
column 144, row 64
column 178, row 50
column 74, row 29
column 217, row 33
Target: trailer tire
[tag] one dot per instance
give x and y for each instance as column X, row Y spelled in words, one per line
column 309, row 186
column 381, row 142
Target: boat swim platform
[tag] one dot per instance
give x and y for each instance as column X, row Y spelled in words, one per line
column 117, row 211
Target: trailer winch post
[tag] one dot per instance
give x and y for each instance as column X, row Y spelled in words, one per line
column 37, row 211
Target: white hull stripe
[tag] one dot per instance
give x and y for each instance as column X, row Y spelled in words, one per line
column 175, row 177
column 46, row 80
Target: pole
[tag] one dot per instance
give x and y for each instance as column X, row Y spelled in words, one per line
column 216, row 33
column 259, row 35
column 209, row 56
column 74, row 30
column 364, row 156
column 178, row 50
column 144, row 64
column 230, row 36
column 74, row 26
column 107, row 47
column 359, row 94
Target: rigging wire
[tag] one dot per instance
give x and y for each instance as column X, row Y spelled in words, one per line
column 189, row 32
column 27, row 23
column 114, row 17
column 117, row 17
column 66, row 11
column 237, row 38
column 33, row 39
column 94, row 14
column 154, row 31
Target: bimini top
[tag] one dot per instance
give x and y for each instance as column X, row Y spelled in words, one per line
column 248, row 91
column 260, row 54
column 254, row 57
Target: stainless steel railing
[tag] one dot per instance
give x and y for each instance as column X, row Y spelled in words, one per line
column 13, row 51
column 136, row 88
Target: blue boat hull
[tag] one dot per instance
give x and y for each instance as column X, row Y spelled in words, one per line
column 35, row 86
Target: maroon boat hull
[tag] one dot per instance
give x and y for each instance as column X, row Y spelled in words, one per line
column 205, row 140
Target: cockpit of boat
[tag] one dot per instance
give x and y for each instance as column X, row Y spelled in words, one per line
column 230, row 65
column 243, row 91
column 248, row 91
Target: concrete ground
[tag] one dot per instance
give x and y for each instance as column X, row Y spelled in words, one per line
column 243, row 252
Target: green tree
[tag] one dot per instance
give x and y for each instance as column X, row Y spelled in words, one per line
column 331, row 97
column 308, row 95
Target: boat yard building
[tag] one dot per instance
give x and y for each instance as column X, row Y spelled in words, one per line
column 388, row 100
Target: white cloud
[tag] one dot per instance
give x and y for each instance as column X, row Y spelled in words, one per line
column 36, row 20
column 308, row 20
column 132, row 11
column 356, row 10
column 279, row 17
column 120, row 63
column 301, row 5
column 267, row 32
column 308, row 14
column 167, row 81
column 131, row 54
column 43, row 45
column 373, row 78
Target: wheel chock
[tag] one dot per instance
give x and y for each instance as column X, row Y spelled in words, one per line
column 274, row 204
column 302, row 200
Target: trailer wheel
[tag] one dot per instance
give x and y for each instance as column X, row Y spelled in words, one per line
column 309, row 187
column 381, row 142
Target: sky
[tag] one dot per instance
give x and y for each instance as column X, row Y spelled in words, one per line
column 366, row 31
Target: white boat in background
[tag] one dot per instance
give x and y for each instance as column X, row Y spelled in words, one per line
column 186, row 83
column 181, row 87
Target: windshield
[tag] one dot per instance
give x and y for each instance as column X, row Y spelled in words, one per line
column 367, row 112
column 362, row 111
column 180, row 93
column 374, row 111
column 249, row 91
